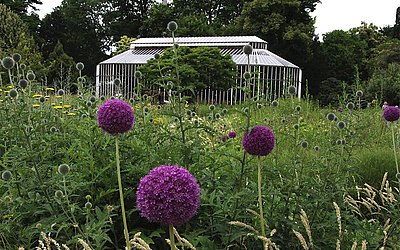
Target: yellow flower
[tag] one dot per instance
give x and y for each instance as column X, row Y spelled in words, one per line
column 49, row 88
column 58, row 107
column 158, row 120
column 47, row 97
column 58, row 96
column 71, row 114
column 1, row 90
column 37, row 95
column 10, row 86
column 67, row 106
column 52, row 104
column 36, row 105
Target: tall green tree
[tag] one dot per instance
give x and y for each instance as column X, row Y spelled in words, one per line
column 11, row 28
column 155, row 23
column 61, row 67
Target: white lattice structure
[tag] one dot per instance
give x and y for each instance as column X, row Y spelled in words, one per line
column 273, row 73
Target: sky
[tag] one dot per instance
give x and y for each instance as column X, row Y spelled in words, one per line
column 330, row 14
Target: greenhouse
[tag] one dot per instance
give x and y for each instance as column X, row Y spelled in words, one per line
column 273, row 74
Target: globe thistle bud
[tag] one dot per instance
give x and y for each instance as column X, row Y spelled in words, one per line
column 16, row 57
column 58, row 194
column 42, row 99
column 53, row 129
column 6, row 175
column 102, row 98
column 330, row 116
column 246, row 110
column 196, row 122
column 88, row 205
column 22, row 66
column 296, row 126
column 292, row 90
column 84, row 116
column 224, row 138
column 146, row 109
column 341, row 124
column 304, row 144
column 188, row 112
column 217, row 116
column 209, row 118
column 248, row 49
column 275, row 103
column 259, row 105
column 30, row 76
column 23, row 83
column 343, row 142
column 176, row 119
column 8, row 62
column 283, row 120
column 247, row 75
column 350, row 106
column 13, row 93
column 317, row 148
column 81, row 79
column 112, row 98
column 80, row 66
column 224, row 111
column 170, row 84
column 63, row 169
column 89, row 104
column 338, row 142
column 157, row 56
column 131, row 100
column 92, row 99
column 117, row 82
column 211, row 107
column 297, row 108
column 138, row 74
column 145, row 97
column 176, row 46
column 172, row 26
column 60, row 92
column 359, row 93
column 193, row 114
column 159, row 107
column 398, row 176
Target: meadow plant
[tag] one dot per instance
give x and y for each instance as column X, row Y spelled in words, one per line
column 391, row 115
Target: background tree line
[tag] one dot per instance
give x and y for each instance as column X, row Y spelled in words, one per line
column 87, row 30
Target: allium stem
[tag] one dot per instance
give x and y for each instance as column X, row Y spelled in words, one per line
column 172, row 237
column 394, row 148
column 260, row 204
column 121, row 194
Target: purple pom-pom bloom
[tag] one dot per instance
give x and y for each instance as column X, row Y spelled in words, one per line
column 260, row 141
column 168, row 195
column 391, row 113
column 224, row 138
column 115, row 116
column 232, row 134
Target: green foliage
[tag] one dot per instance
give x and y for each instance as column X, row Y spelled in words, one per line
column 386, row 53
column 123, row 44
column 61, row 67
column 11, row 28
column 198, row 68
column 157, row 19
column 384, row 84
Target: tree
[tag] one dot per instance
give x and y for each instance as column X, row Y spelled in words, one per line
column 20, row 7
column 11, row 28
column 198, row 68
column 123, row 45
column 61, row 67
column 156, row 22
column 384, row 84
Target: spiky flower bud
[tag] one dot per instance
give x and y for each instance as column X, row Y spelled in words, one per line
column 172, row 26
column 298, row 108
column 102, row 98
column 341, row 124
column 92, row 99
column 63, row 169
column 23, row 83
column 248, row 49
column 275, row 103
column 80, row 66
column 88, row 205
column 304, row 144
column 61, row 92
column 58, row 194
column 259, row 105
column 138, row 74
column 6, row 175
column 53, row 129
column 292, row 90
column 296, row 126
column 16, row 57
column 42, row 99
column 22, row 66
column 157, row 56
column 330, row 116
column 8, row 62
column 247, row 75
column 217, row 115
column 350, row 106
column 13, row 93
column 359, row 93
column 117, row 82
column 30, row 76
column 317, row 148
column 89, row 104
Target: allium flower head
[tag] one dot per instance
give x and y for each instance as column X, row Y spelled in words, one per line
column 260, row 141
column 391, row 113
column 115, row 116
column 292, row 90
column 13, row 93
column 330, row 116
column 63, row 169
column 30, row 76
column 16, row 57
column 247, row 49
column 23, row 83
column 8, row 62
column 232, row 134
column 172, row 26
column 350, row 106
column 168, row 195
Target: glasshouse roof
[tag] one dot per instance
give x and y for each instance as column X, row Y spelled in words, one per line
column 144, row 49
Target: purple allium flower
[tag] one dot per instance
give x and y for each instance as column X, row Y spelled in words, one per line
column 224, row 138
column 391, row 113
column 232, row 134
column 115, row 116
column 260, row 141
column 168, row 195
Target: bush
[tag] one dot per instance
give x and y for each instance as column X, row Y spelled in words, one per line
column 385, row 84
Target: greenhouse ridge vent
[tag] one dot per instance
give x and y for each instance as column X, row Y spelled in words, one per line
column 273, row 73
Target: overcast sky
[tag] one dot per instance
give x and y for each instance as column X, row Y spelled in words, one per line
column 330, row 14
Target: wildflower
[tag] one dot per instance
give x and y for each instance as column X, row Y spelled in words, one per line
column 36, row 95
column 391, row 113
column 16, row 57
column 80, row 66
column 275, row 103
column 232, row 134
column 67, row 106
column 30, row 76
column 71, row 114
column 138, row 74
column 35, row 105
column 350, row 106
column 298, row 108
column 359, row 93
column 168, row 195
column 246, row 75
column 6, row 175
column 330, row 116
column 172, row 26
column 8, row 62
column 58, row 194
column 211, row 107
column 88, row 205
column 260, row 141
column 13, row 93
column 304, row 144
column 292, row 90
column 341, row 124
column 224, row 138
column 63, row 169
column 248, row 49
column 115, row 116
column 23, row 83
column 57, row 107
column 49, row 89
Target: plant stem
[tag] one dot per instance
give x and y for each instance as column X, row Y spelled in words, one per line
column 172, row 237
column 260, row 200
column 121, row 195
column 394, row 148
